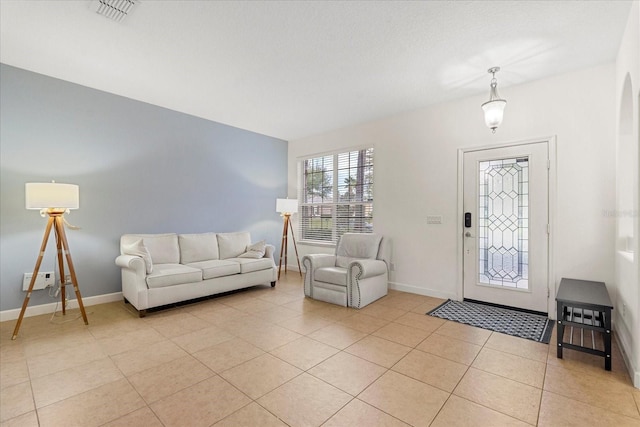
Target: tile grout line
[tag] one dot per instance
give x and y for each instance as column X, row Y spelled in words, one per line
column 184, row 310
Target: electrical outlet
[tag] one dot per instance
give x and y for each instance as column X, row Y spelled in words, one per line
column 392, row 266
column 44, row 279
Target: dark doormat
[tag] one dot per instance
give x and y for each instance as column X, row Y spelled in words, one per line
column 517, row 323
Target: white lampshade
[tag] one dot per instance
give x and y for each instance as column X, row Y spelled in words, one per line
column 52, row 195
column 289, row 206
column 494, row 112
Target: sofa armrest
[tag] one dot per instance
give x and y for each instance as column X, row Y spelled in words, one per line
column 269, row 250
column 364, row 268
column 134, row 285
column 131, row 261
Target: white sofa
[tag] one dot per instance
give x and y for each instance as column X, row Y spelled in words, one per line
column 354, row 277
column 161, row 269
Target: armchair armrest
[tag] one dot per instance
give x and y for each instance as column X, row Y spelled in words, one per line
column 366, row 281
column 310, row 263
column 364, row 268
column 313, row 261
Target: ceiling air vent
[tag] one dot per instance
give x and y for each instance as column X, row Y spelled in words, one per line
column 116, row 10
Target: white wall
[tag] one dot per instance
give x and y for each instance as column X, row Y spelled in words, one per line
column 627, row 313
column 416, row 173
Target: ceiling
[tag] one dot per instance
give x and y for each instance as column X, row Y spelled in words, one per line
column 291, row 69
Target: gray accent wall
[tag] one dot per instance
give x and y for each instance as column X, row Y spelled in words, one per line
column 140, row 168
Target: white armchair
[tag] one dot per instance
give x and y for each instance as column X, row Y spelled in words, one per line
column 354, row 277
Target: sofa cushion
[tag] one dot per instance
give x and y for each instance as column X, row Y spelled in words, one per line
column 230, row 245
column 172, row 274
column 198, row 247
column 216, row 268
column 247, row 265
column 255, row 251
column 138, row 248
column 163, row 248
column 335, row 275
column 357, row 246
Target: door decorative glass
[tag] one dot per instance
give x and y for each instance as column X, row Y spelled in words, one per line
column 503, row 223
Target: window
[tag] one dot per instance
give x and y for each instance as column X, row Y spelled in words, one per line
column 336, row 195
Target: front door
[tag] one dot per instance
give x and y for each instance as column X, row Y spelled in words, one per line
column 506, row 225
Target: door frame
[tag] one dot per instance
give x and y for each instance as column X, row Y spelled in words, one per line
column 552, row 192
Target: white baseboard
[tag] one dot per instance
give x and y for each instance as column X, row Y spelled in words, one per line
column 404, row 288
column 634, row 373
column 624, row 339
column 291, row 268
column 422, row 291
column 37, row 310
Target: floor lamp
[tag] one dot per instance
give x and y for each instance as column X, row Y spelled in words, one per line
column 286, row 208
column 54, row 200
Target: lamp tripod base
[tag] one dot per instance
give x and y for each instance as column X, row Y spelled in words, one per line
column 284, row 246
column 56, row 221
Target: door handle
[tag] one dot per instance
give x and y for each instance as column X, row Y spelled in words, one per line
column 468, row 234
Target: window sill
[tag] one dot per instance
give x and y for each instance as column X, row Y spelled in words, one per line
column 319, row 244
column 628, row 255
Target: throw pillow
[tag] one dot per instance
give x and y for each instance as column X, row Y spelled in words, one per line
column 138, row 248
column 255, row 251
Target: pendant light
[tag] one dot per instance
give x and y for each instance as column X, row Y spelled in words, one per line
column 494, row 107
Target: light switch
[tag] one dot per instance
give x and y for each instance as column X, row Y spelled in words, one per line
column 434, row 219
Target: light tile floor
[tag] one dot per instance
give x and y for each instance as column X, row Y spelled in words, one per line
column 271, row 357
